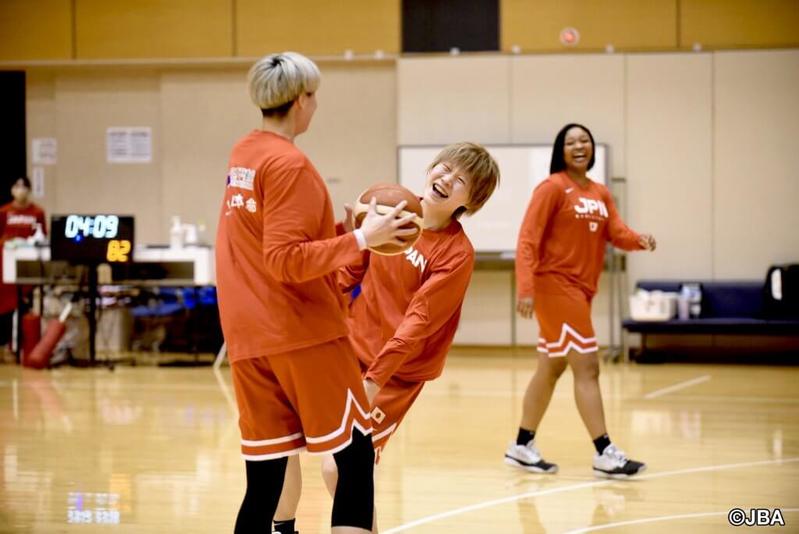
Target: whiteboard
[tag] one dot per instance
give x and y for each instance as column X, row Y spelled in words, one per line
column 495, row 227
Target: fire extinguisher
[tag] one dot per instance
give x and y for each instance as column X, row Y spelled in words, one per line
column 43, row 351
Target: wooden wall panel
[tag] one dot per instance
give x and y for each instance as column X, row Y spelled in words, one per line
column 739, row 23
column 154, row 28
column 317, row 27
column 535, row 25
column 35, row 29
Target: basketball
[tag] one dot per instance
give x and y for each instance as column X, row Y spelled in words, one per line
column 388, row 196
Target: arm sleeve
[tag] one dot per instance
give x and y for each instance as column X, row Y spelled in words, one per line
column 293, row 207
column 42, row 219
column 435, row 303
column 618, row 232
column 528, row 248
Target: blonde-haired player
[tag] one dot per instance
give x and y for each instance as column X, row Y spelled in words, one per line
column 404, row 319
column 297, row 381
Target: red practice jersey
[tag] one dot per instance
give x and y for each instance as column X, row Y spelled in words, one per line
column 403, row 322
column 562, row 239
column 277, row 252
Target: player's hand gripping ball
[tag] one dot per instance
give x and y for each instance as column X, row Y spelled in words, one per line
column 388, row 196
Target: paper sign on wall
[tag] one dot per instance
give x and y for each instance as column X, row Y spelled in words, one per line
column 44, row 151
column 37, row 182
column 129, row 144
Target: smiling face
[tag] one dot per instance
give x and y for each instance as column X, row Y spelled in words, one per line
column 577, row 150
column 447, row 188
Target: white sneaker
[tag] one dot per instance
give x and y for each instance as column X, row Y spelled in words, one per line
column 613, row 463
column 528, row 458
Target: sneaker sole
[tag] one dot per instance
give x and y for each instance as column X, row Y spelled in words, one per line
column 617, row 476
column 530, row 468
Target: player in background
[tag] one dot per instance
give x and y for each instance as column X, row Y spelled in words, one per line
column 18, row 219
column 559, row 258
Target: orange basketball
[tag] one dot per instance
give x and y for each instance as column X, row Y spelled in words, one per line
column 388, row 196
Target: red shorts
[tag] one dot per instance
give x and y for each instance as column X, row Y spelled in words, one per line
column 309, row 398
column 389, row 408
column 564, row 321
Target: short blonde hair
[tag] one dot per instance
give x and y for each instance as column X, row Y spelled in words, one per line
column 475, row 161
column 279, row 79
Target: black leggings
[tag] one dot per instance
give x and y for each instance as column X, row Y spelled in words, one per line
column 6, row 327
column 354, row 502
column 264, row 485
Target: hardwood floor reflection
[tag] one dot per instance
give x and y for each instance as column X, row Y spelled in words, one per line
column 148, row 449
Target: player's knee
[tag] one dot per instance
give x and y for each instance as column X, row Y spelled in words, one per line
column 354, row 497
column 555, row 368
column 587, row 369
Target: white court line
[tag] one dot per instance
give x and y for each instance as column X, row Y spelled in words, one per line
column 677, row 387
column 658, row 518
column 563, row 489
column 734, row 399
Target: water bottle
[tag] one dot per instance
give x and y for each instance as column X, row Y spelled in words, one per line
column 694, row 293
column 684, row 303
column 176, row 233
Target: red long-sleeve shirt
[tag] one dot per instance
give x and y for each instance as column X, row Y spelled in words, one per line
column 20, row 222
column 277, row 252
column 403, row 322
column 564, row 233
column 16, row 222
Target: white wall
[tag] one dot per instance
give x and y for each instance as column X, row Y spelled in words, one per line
column 755, row 161
column 86, row 104
column 669, row 130
column 442, row 99
column 703, row 140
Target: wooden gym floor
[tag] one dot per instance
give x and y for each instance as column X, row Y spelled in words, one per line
column 149, row 450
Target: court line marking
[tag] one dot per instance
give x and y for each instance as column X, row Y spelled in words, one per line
column 573, row 487
column 677, row 387
column 658, row 518
column 731, row 399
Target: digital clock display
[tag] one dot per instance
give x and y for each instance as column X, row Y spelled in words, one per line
column 96, row 226
column 92, row 238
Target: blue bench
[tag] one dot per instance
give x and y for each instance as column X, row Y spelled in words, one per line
column 728, row 308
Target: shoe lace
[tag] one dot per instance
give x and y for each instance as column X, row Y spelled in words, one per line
column 531, row 446
column 616, row 454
